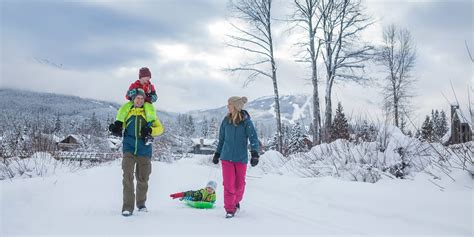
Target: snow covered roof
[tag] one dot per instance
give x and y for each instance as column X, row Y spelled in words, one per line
column 74, row 136
column 206, row 141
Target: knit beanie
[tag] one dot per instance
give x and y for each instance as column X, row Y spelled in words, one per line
column 144, row 72
column 238, row 102
column 139, row 91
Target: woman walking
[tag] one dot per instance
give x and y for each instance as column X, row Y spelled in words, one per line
column 235, row 131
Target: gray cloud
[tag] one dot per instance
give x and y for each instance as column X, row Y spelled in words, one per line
column 102, row 44
column 439, row 29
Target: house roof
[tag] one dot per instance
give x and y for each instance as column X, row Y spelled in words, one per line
column 207, row 142
column 76, row 137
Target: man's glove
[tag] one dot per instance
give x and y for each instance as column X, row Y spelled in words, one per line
column 254, row 159
column 215, row 159
column 116, row 128
column 146, row 131
column 153, row 97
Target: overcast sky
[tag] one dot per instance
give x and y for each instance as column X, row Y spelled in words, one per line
column 94, row 49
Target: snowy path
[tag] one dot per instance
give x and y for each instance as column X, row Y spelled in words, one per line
column 89, row 203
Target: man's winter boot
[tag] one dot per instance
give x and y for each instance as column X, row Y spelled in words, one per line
column 126, row 213
column 142, row 209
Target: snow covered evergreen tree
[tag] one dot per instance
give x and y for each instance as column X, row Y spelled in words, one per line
column 443, row 124
column 273, row 142
column 340, row 127
column 296, row 140
column 286, row 139
column 435, row 121
column 427, row 131
column 185, row 125
column 213, row 129
column 205, row 128
column 440, row 124
column 190, row 126
column 57, row 125
column 366, row 132
column 94, row 127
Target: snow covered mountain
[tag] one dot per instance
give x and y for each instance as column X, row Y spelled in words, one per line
column 292, row 107
column 19, row 103
column 16, row 102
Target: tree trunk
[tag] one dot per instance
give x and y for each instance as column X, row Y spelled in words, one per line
column 314, row 79
column 275, row 88
column 277, row 111
column 395, row 104
column 328, row 119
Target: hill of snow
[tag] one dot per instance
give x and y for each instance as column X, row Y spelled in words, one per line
column 88, row 202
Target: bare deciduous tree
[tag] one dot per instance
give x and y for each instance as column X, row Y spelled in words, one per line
column 397, row 56
column 343, row 53
column 468, row 51
column 309, row 18
column 257, row 39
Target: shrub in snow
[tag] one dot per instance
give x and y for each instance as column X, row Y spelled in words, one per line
column 170, row 147
column 39, row 164
column 363, row 131
column 393, row 154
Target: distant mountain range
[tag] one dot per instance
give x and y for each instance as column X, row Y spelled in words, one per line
column 15, row 103
column 18, row 102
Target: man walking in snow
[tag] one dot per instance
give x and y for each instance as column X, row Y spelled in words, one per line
column 136, row 154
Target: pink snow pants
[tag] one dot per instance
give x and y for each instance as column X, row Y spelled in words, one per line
column 233, row 174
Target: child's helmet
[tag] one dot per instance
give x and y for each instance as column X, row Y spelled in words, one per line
column 212, row 184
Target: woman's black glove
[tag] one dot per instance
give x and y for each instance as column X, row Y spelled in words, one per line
column 215, row 159
column 116, row 128
column 254, row 159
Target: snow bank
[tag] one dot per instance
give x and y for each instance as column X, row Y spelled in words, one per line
column 272, row 161
column 392, row 155
column 40, row 164
column 88, row 203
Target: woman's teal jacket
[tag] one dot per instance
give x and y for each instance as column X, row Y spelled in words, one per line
column 233, row 139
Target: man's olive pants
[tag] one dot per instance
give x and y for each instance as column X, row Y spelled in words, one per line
column 142, row 168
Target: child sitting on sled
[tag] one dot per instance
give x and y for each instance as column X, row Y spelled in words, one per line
column 143, row 83
column 207, row 194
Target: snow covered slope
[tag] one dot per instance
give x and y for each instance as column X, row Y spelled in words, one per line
column 19, row 103
column 293, row 108
column 88, row 202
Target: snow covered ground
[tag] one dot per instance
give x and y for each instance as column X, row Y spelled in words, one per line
column 88, row 202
